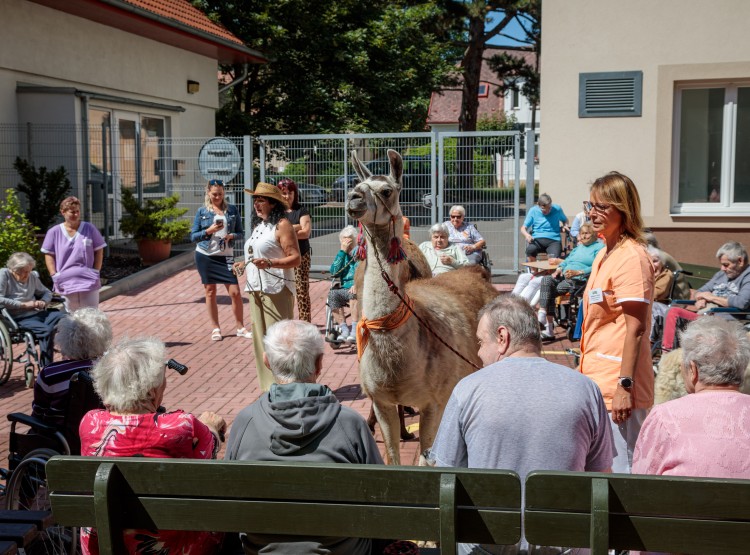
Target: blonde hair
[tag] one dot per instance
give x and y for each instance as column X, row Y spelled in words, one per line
column 207, row 199
column 620, row 191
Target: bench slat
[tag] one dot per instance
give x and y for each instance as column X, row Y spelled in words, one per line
column 371, row 521
column 319, row 482
column 641, row 533
column 22, row 533
column 41, row 519
column 8, row 548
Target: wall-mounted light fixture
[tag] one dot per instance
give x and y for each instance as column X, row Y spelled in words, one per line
column 193, row 87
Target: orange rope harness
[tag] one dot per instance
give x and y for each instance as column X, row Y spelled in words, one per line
column 389, row 322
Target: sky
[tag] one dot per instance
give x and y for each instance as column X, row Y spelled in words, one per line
column 513, row 29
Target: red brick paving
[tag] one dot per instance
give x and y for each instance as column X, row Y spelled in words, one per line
column 222, row 374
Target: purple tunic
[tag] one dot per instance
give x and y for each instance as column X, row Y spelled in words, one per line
column 74, row 258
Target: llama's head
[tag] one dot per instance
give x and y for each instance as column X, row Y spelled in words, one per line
column 374, row 201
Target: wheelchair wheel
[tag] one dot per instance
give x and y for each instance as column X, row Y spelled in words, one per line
column 27, row 490
column 6, row 354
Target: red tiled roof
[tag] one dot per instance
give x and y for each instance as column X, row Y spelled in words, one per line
column 445, row 105
column 174, row 22
column 184, row 12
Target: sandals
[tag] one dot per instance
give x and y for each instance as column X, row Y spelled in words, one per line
column 242, row 332
column 216, row 335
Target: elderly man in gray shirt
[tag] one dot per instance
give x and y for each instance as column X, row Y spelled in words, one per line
column 521, row 412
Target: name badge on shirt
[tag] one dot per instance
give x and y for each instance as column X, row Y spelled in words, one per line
column 596, row 295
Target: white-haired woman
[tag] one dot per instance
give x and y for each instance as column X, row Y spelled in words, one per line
column 130, row 379
column 343, row 268
column 26, row 298
column 442, row 256
column 464, row 234
column 81, row 337
column 704, row 433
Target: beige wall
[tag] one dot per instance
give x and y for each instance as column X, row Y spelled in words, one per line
column 669, row 41
column 42, row 46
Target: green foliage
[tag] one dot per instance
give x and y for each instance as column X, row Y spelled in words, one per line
column 156, row 219
column 44, row 191
column 17, row 233
column 350, row 65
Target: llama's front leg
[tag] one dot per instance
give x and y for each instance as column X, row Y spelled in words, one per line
column 429, row 421
column 387, row 415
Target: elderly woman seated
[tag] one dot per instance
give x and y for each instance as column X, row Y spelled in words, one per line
column 576, row 266
column 663, row 281
column 440, row 255
column 130, row 379
column 82, row 337
column 26, row 299
column 465, row 235
column 343, row 268
column 704, row 433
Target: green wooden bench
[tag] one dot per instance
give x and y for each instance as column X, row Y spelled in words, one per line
column 654, row 513
column 345, row 500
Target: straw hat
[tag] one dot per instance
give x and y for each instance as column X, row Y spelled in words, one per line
column 269, row 191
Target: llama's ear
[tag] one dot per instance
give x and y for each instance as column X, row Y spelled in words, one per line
column 397, row 165
column 359, row 168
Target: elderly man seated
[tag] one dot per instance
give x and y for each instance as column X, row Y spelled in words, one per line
column 300, row 420
column 442, row 256
column 729, row 288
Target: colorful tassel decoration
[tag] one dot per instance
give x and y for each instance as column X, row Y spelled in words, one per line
column 361, row 252
column 395, row 253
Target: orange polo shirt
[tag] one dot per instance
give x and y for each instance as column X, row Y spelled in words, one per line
column 626, row 275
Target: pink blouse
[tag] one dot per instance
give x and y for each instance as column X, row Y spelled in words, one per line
column 704, row 434
column 171, row 435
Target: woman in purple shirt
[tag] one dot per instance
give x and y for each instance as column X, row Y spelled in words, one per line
column 73, row 253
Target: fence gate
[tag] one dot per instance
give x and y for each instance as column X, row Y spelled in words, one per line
column 481, row 171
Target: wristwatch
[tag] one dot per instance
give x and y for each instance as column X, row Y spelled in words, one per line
column 625, row 382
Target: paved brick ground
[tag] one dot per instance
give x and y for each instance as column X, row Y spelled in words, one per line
column 222, row 375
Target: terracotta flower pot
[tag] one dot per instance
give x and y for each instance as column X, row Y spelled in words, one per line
column 153, row 251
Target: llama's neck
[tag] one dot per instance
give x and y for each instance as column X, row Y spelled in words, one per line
column 377, row 299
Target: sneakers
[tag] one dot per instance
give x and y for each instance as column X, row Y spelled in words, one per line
column 547, row 336
column 351, row 339
column 242, row 332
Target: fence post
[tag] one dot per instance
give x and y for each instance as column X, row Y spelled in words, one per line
column 247, row 169
column 530, row 148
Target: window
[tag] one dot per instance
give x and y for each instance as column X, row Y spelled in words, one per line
column 712, row 138
column 515, row 99
column 484, row 89
column 613, row 94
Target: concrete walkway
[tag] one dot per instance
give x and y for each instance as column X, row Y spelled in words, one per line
column 222, row 374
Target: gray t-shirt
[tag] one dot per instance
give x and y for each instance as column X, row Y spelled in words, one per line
column 525, row 414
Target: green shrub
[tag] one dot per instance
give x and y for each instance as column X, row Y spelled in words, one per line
column 17, row 234
column 44, row 191
column 156, row 219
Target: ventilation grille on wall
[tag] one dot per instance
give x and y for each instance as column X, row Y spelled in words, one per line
column 615, row 94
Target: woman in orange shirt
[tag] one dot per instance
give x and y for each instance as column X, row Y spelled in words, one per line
column 615, row 349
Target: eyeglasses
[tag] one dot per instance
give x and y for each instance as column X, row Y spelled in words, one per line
column 456, row 217
column 216, row 182
column 598, row 206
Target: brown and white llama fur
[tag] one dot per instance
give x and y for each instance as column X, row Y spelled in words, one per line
column 409, row 365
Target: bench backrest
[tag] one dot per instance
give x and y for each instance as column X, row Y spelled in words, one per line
column 621, row 511
column 307, row 499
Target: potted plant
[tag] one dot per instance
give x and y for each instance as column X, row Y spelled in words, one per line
column 154, row 226
column 44, row 191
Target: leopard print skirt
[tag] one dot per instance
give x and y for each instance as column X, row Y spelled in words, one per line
column 302, row 282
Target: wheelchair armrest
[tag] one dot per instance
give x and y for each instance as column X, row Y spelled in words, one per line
column 32, row 422
column 683, row 301
column 9, row 321
column 725, row 309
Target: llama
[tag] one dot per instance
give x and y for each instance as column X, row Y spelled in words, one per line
column 407, row 364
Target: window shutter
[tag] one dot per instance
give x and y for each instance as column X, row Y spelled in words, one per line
column 613, row 94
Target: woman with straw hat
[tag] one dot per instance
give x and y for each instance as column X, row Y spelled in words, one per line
column 271, row 254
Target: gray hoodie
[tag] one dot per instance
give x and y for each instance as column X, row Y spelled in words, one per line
column 302, row 422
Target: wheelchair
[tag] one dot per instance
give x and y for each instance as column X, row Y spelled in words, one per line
column 566, row 307
column 29, row 451
column 333, row 334
column 12, row 334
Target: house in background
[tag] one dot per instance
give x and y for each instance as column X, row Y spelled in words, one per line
column 93, row 83
column 659, row 91
column 445, row 105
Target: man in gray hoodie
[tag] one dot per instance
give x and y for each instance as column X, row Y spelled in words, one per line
column 301, row 420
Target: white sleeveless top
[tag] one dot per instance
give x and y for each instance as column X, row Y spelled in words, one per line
column 262, row 244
